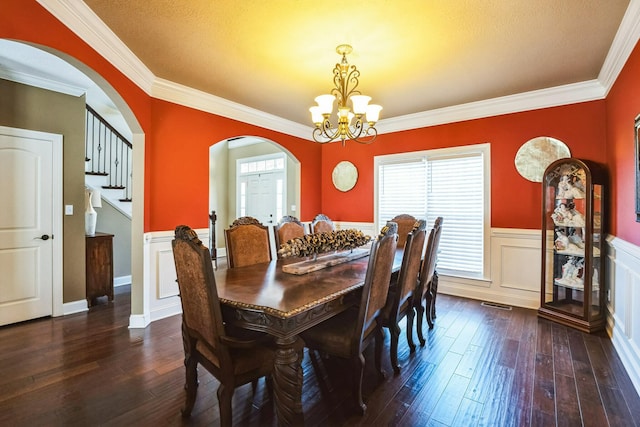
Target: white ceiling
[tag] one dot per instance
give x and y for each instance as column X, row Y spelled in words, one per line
column 415, row 56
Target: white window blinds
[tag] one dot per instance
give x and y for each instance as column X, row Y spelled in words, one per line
column 455, row 192
column 449, row 183
column 402, row 189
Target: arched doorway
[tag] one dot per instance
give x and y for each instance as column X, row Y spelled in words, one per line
column 223, row 158
column 41, row 61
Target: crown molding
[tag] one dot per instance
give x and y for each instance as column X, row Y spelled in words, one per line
column 526, row 101
column 623, row 44
column 183, row 95
column 77, row 16
column 82, row 21
column 41, row 82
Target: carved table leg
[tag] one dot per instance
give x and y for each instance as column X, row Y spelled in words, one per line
column 287, row 381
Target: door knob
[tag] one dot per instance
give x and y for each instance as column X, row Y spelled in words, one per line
column 43, row 237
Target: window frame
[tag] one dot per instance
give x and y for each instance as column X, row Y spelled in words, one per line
column 485, row 150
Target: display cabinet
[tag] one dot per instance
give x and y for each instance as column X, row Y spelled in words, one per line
column 573, row 219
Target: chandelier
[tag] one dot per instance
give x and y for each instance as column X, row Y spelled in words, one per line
column 357, row 125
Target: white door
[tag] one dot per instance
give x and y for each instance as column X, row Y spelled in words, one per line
column 26, row 224
column 262, row 198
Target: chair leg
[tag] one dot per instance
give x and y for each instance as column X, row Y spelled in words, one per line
column 420, row 314
column 434, row 288
column 429, row 304
column 393, row 349
column 358, row 373
column 225, row 394
column 410, row 316
column 191, row 385
column 379, row 344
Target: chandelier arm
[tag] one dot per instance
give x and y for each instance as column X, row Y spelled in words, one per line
column 371, row 132
column 323, row 134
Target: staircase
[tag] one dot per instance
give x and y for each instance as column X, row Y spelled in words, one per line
column 108, row 161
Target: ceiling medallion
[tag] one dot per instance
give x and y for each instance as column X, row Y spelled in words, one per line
column 357, row 125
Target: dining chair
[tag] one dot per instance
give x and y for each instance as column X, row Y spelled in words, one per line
column 321, row 224
column 233, row 360
column 401, row 290
column 405, row 225
column 428, row 283
column 347, row 334
column 289, row 227
column 247, row 242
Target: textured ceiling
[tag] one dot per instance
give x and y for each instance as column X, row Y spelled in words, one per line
column 414, row 55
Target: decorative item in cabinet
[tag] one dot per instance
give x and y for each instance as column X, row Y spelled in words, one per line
column 573, row 219
column 99, row 266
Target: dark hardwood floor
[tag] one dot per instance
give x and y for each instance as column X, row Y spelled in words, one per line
column 481, row 366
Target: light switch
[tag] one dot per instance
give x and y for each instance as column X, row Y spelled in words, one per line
column 68, row 209
column 293, row 208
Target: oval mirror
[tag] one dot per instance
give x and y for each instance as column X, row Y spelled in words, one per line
column 535, row 155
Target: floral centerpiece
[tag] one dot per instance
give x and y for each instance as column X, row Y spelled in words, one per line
column 314, row 244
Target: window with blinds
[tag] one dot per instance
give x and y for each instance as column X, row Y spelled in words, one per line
column 452, row 183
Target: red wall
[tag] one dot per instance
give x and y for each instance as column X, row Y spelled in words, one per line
column 623, row 106
column 515, row 202
column 178, row 159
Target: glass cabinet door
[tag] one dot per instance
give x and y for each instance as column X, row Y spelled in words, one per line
column 572, row 229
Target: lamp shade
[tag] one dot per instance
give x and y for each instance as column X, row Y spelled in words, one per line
column 316, row 115
column 325, row 102
column 373, row 113
column 360, row 103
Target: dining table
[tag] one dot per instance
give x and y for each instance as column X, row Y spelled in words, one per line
column 262, row 297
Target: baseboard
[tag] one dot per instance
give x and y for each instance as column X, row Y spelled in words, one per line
column 122, row 280
column 75, row 307
column 138, row 321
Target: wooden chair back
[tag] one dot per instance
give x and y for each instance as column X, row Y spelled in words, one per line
column 289, row 227
column 431, row 255
column 401, row 292
column 322, row 224
column 376, row 282
column 201, row 314
column 411, row 261
column 405, row 225
column 428, row 283
column 247, row 242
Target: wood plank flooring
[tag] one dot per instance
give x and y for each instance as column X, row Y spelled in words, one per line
column 481, row 366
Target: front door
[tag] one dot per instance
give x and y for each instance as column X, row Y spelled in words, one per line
column 261, row 190
column 26, row 224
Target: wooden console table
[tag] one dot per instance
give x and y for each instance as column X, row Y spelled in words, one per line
column 99, row 266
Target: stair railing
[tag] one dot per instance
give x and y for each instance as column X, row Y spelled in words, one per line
column 108, row 153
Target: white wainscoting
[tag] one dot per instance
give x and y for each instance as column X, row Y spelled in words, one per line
column 623, row 304
column 160, row 283
column 514, row 280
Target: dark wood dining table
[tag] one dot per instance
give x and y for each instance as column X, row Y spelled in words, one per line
column 262, row 297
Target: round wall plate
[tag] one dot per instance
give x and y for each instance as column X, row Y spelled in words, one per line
column 535, row 155
column 344, row 176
